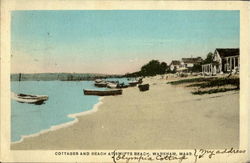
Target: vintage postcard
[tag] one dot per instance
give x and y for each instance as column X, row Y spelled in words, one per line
column 116, row 81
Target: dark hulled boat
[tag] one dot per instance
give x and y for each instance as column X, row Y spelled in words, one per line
column 112, row 92
column 101, row 84
column 143, row 87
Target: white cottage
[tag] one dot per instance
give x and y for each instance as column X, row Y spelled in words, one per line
column 224, row 61
column 190, row 62
column 174, row 65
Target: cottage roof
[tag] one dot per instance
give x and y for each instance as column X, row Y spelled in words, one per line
column 175, row 62
column 228, row 52
column 192, row 60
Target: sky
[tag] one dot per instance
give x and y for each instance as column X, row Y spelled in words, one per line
column 115, row 41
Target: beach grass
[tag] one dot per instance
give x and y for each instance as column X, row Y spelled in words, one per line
column 206, row 85
column 210, row 91
column 217, row 82
column 221, row 82
column 191, row 80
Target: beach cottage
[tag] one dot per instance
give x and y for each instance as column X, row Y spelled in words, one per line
column 174, row 65
column 224, row 61
column 188, row 63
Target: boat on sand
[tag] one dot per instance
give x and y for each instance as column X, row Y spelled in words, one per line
column 30, row 99
column 103, row 92
column 143, row 87
column 135, row 82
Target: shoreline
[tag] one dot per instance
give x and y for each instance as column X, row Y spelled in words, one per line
column 131, row 121
column 63, row 125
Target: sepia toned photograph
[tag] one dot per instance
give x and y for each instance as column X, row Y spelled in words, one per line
column 109, row 82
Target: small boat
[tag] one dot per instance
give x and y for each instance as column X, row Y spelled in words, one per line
column 133, row 83
column 122, row 85
column 111, row 81
column 101, row 84
column 112, row 85
column 30, row 99
column 143, row 87
column 98, row 80
column 103, row 92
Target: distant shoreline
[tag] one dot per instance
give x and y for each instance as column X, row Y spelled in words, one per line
column 60, row 76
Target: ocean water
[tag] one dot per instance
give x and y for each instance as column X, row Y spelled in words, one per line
column 65, row 97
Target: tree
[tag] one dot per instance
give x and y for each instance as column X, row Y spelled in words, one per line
column 209, row 58
column 163, row 67
column 196, row 68
column 154, row 67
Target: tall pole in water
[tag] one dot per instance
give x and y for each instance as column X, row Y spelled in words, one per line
column 20, row 76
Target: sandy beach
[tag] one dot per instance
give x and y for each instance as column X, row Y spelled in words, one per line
column 165, row 117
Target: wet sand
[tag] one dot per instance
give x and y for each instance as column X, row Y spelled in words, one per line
column 165, row 117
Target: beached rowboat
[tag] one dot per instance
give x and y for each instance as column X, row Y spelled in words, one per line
column 112, row 85
column 103, row 92
column 98, row 80
column 101, row 84
column 133, row 83
column 143, row 87
column 31, row 99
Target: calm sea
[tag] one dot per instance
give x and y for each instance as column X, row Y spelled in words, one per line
column 65, row 97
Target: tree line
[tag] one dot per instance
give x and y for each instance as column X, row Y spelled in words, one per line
column 155, row 67
column 152, row 68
